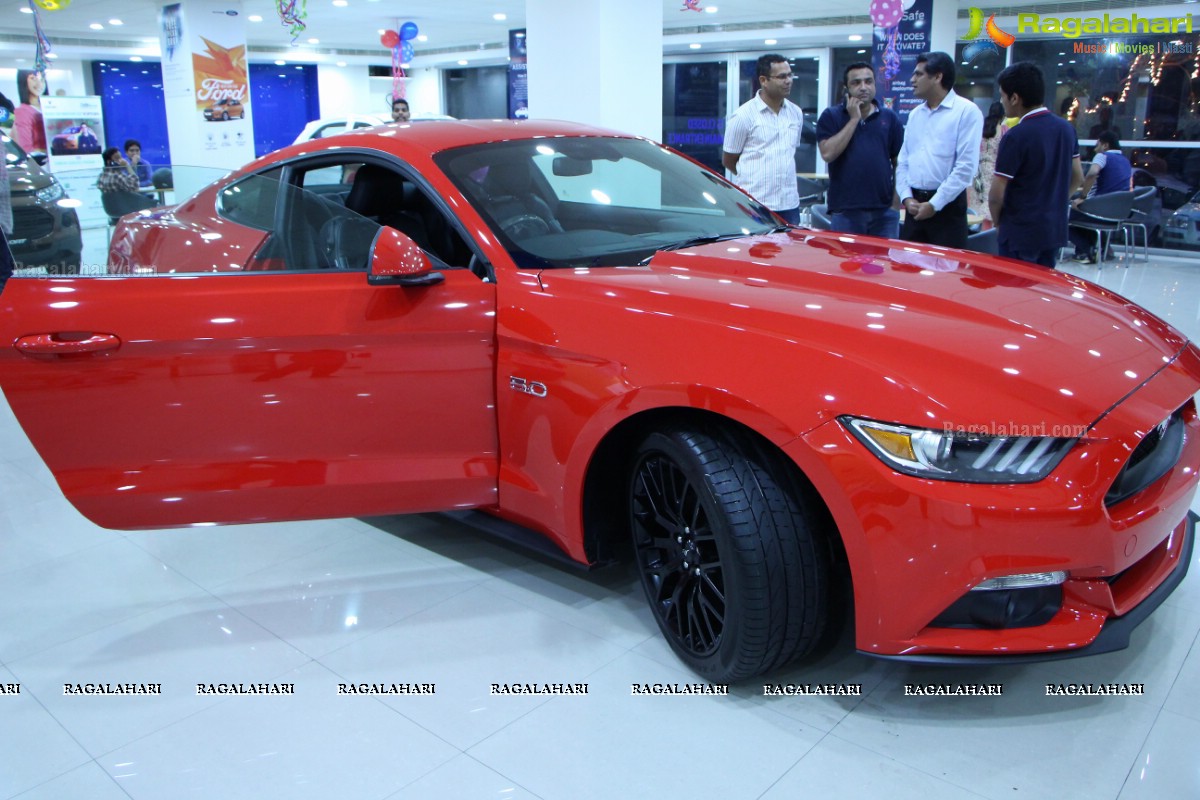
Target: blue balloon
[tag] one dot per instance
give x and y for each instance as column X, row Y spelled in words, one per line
column 408, row 31
column 406, row 51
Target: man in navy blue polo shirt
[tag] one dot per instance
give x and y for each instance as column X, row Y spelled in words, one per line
column 860, row 142
column 1037, row 169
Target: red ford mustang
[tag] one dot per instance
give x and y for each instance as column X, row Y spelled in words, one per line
column 591, row 342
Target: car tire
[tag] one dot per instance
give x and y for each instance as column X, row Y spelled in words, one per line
column 730, row 552
column 225, row 116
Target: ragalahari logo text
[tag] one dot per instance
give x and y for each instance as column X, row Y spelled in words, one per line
column 995, row 42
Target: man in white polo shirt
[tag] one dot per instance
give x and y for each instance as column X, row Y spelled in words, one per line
column 940, row 156
column 761, row 139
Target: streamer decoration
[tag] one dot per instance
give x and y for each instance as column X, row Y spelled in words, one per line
column 44, row 47
column 885, row 15
column 292, row 15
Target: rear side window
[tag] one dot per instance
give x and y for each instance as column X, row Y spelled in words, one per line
column 251, row 201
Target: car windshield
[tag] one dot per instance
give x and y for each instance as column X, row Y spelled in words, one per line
column 597, row 201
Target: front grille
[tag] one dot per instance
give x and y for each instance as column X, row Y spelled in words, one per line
column 31, row 223
column 1154, row 457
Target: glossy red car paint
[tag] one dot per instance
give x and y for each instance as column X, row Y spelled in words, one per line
column 234, row 398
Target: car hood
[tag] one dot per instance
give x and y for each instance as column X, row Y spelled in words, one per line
column 27, row 177
column 894, row 331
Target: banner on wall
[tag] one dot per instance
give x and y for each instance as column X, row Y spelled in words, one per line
column 206, row 88
column 518, row 77
column 894, row 56
column 75, row 139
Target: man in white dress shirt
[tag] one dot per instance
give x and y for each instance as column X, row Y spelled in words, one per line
column 761, row 139
column 940, row 156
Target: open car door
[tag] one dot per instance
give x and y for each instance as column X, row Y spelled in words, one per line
column 196, row 399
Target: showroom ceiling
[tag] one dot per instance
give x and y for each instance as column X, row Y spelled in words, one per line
column 353, row 27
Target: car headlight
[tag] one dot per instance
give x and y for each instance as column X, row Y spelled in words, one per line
column 958, row 456
column 51, row 192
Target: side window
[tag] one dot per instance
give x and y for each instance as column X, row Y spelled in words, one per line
column 251, row 201
column 327, row 216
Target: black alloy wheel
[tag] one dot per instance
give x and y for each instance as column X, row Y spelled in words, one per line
column 678, row 555
column 729, row 552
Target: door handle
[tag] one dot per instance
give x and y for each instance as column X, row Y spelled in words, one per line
column 66, row 343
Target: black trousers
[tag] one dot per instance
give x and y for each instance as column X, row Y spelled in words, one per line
column 947, row 227
column 6, row 260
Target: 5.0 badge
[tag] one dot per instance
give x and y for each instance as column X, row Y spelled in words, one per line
column 527, row 386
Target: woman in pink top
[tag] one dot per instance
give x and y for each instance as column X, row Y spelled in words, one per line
column 29, row 128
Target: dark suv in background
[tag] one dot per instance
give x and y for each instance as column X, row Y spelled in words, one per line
column 45, row 234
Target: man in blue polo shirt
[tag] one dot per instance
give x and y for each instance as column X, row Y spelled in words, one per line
column 860, row 142
column 1037, row 168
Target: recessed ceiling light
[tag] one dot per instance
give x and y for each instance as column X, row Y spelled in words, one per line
column 854, row 37
column 280, row 63
column 25, row 10
column 770, row 42
column 96, row 26
column 462, row 62
column 314, row 40
column 115, row 22
column 710, row 9
column 340, row 3
column 422, row 37
column 135, row 58
column 860, row 52
column 500, row 17
column 694, row 46
column 254, row 18
column 52, row 55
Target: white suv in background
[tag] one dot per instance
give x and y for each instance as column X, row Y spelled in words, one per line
column 331, row 126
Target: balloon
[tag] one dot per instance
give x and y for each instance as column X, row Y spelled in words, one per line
column 406, row 52
column 389, row 39
column 886, row 13
column 408, row 31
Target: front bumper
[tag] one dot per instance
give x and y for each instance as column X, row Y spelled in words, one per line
column 1115, row 633
column 915, row 547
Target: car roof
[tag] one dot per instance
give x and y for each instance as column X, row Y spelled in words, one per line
column 434, row 136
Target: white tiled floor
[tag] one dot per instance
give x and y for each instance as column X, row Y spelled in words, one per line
column 424, row 600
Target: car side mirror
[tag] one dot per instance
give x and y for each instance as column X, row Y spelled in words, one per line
column 40, row 157
column 397, row 261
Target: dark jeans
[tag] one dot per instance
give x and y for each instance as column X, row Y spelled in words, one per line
column 791, row 216
column 1046, row 258
column 1085, row 241
column 6, row 260
column 882, row 222
column 947, row 227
